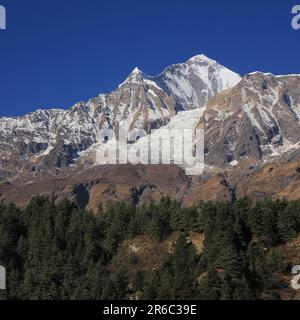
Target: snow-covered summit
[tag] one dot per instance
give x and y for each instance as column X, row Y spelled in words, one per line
column 197, row 80
column 202, row 57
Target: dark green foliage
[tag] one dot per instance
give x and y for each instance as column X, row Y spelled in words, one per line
column 63, row 252
column 288, row 221
column 276, row 261
column 175, row 279
column 117, row 286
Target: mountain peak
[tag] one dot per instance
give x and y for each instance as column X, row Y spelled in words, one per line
column 202, row 58
column 136, row 70
column 260, row 73
column 135, row 76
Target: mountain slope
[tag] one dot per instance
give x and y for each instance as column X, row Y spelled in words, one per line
column 46, row 142
column 255, row 120
column 195, row 82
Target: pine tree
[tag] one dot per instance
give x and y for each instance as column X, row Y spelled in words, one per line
column 287, row 223
column 209, row 287
column 276, row 261
column 117, row 286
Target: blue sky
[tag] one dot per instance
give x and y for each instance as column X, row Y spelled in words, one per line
column 55, row 53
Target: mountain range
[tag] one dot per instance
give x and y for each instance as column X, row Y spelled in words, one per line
column 251, row 126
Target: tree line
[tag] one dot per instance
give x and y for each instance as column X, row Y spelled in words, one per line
column 59, row 251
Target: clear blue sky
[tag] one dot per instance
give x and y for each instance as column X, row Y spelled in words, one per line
column 55, row 53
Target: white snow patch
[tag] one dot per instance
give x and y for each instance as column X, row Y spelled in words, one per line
column 234, row 163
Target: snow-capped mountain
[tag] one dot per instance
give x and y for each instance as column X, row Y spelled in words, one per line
column 46, row 141
column 195, row 82
column 251, row 127
column 252, row 119
column 257, row 119
column 253, row 122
